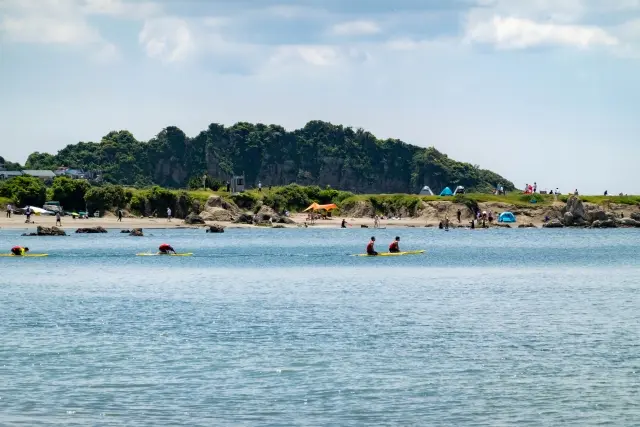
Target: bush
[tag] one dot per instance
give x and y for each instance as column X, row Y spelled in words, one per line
column 24, row 190
column 69, row 192
column 106, row 197
column 245, row 200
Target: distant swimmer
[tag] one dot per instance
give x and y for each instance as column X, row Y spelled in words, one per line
column 166, row 249
column 370, row 249
column 394, row 247
column 19, row 250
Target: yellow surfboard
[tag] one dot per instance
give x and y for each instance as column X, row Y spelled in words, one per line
column 393, row 253
column 25, row 255
column 157, row 254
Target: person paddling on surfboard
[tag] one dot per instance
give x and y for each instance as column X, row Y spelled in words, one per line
column 394, row 247
column 166, row 249
column 370, row 248
column 19, row 250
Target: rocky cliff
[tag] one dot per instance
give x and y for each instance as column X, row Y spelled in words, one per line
column 319, row 154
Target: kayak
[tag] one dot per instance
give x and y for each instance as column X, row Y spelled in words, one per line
column 394, row 253
column 26, row 255
column 157, row 254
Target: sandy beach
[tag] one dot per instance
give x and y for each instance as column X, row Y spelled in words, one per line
column 431, row 215
column 16, row 222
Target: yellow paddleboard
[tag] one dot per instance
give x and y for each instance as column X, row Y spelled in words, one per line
column 393, row 253
column 25, row 255
column 157, row 254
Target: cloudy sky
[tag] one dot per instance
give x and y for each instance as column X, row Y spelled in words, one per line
column 537, row 90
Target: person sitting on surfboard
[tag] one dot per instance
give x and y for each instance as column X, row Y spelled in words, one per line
column 19, row 250
column 370, row 248
column 165, row 249
column 394, row 247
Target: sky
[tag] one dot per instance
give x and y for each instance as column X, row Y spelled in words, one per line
column 543, row 91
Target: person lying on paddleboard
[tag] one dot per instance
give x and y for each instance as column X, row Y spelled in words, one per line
column 166, row 249
column 370, row 248
column 19, row 250
column 394, row 247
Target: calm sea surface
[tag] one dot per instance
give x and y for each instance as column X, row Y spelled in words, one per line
column 282, row 327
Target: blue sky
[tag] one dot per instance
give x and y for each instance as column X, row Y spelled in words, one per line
column 537, row 90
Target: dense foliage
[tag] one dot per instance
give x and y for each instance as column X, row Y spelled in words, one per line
column 24, row 190
column 10, row 166
column 69, row 192
column 318, row 154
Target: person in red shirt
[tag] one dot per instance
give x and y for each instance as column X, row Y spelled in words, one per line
column 19, row 250
column 370, row 248
column 395, row 245
column 166, row 249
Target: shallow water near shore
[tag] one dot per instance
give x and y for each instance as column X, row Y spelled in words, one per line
column 283, row 327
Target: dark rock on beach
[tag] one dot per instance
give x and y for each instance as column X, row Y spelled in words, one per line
column 529, row 225
column 553, row 224
column 628, row 222
column 125, row 231
column 193, row 219
column 244, row 218
column 91, row 230
column 607, row 223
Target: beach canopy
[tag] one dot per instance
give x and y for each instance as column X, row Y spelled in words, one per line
column 507, row 217
column 446, row 192
column 316, row 207
column 39, row 211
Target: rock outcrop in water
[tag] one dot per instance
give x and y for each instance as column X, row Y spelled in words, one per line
column 91, row 230
column 47, row 231
column 136, row 232
column 215, row 228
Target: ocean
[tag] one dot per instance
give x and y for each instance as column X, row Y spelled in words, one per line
column 282, row 327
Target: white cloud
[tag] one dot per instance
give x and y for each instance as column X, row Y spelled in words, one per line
column 518, row 33
column 168, row 39
column 51, row 22
column 48, row 30
column 355, row 28
column 122, row 8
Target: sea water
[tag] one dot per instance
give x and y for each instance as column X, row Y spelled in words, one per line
column 284, row 327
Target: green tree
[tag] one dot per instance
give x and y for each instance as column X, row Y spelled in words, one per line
column 70, row 192
column 24, row 190
column 318, row 154
column 106, row 197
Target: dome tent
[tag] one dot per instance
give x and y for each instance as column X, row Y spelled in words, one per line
column 446, row 192
column 507, row 217
column 426, row 191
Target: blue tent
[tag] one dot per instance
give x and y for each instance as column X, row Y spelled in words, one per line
column 446, row 192
column 507, row 217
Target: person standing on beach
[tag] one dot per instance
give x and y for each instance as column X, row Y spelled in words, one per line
column 459, row 214
column 119, row 215
column 168, row 214
column 9, row 210
column 58, row 220
column 260, row 186
column 28, row 214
